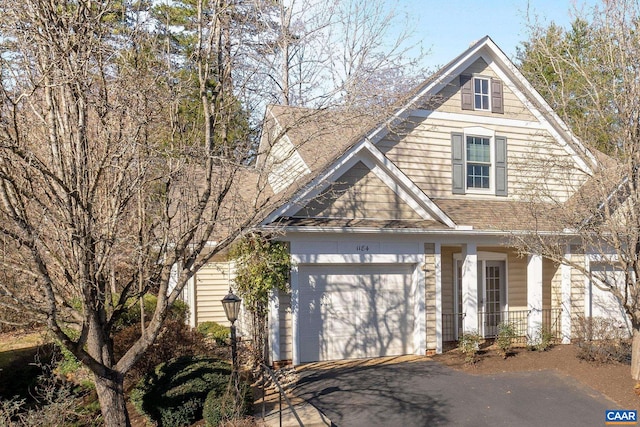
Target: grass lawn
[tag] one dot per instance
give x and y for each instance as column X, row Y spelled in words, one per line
column 19, row 353
column 14, row 346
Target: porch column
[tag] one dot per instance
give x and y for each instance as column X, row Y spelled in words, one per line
column 534, row 297
column 565, row 319
column 274, row 325
column 422, row 305
column 470, row 287
column 438, row 265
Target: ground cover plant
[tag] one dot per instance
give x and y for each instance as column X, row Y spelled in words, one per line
column 34, row 393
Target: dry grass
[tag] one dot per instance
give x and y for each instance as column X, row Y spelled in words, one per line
column 14, row 345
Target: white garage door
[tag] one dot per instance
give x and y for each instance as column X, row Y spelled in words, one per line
column 353, row 311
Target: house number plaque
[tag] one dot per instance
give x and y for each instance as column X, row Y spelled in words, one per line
column 362, row 248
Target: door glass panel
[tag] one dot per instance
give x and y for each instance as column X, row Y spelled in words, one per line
column 493, row 297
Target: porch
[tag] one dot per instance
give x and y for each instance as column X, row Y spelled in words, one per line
column 482, row 287
column 453, row 324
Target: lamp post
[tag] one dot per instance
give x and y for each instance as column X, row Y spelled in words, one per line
column 231, row 304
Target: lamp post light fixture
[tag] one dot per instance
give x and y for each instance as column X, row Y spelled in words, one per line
column 231, row 304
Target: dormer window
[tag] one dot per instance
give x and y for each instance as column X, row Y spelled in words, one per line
column 481, row 93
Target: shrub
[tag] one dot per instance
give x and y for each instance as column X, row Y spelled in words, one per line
column 68, row 364
column 176, row 339
column 55, row 403
column 131, row 316
column 175, row 392
column 469, row 345
column 215, row 331
column 183, row 415
column 69, row 368
column 603, row 340
column 506, row 334
column 542, row 340
column 219, row 408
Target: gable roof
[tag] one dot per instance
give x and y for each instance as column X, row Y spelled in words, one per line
column 327, row 138
column 318, row 135
column 363, row 151
column 486, row 49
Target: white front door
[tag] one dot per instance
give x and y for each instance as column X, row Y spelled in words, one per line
column 491, row 295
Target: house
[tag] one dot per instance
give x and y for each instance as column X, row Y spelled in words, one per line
column 400, row 228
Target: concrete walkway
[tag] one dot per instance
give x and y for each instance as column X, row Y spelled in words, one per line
column 269, row 414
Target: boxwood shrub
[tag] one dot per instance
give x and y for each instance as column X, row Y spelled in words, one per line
column 215, row 331
column 174, row 394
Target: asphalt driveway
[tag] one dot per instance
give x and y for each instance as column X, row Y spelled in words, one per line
column 425, row 393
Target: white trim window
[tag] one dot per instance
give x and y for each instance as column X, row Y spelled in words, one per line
column 481, row 96
column 479, row 162
column 481, row 93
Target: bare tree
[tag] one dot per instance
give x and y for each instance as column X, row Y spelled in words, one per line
column 97, row 182
column 124, row 163
column 315, row 53
column 603, row 218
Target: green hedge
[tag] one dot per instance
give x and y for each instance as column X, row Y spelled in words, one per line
column 175, row 393
column 215, row 331
column 131, row 316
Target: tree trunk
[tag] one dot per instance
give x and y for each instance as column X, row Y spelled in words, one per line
column 112, row 402
column 635, row 354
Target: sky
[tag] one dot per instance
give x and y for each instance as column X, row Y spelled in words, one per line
column 448, row 27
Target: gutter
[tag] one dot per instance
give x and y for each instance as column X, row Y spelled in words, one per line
column 458, row 231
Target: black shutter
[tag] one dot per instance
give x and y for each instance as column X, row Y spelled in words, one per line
column 457, row 164
column 497, row 98
column 501, row 166
column 466, row 91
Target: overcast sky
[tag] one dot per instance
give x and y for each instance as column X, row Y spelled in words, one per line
column 448, row 27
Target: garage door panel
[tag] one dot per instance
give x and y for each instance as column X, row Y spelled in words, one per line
column 319, row 346
column 355, row 311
